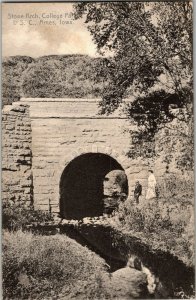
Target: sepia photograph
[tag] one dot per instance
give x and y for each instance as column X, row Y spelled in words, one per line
column 97, row 150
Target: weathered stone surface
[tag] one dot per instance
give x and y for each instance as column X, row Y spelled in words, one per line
column 42, row 136
column 63, row 129
column 57, row 131
column 16, row 175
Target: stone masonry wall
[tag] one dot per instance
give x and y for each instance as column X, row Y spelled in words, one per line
column 63, row 129
column 17, row 184
column 42, row 136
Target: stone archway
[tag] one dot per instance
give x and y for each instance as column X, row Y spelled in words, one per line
column 55, row 132
column 82, row 185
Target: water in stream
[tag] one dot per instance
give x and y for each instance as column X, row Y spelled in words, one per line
column 173, row 278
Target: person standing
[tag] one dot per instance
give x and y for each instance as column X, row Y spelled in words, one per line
column 151, row 191
column 137, row 191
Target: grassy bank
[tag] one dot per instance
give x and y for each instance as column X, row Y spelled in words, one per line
column 161, row 224
column 165, row 223
column 41, row 267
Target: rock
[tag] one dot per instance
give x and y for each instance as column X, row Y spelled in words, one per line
column 128, row 283
column 23, row 279
column 85, row 220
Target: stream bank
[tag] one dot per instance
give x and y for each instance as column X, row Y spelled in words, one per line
column 176, row 280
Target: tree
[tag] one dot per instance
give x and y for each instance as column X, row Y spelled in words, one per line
column 148, row 51
column 150, row 44
column 12, row 69
column 62, row 76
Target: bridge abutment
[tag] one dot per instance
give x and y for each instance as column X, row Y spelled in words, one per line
column 61, row 130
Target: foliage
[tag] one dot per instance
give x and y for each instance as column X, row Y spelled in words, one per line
column 145, row 39
column 153, row 111
column 12, row 70
column 52, row 76
column 41, row 267
column 66, row 76
column 175, row 142
column 164, row 131
column 151, row 52
column 164, row 223
column 16, row 215
column 172, row 186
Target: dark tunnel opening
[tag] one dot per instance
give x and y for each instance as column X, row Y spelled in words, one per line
column 82, row 185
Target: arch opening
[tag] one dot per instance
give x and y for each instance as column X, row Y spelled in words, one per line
column 86, row 181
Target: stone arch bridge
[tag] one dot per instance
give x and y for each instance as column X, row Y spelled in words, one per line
column 60, row 149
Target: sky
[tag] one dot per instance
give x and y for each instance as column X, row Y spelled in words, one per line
column 37, row 29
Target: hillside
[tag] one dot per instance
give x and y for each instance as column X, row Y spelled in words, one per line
column 12, row 70
column 51, row 76
column 50, row 267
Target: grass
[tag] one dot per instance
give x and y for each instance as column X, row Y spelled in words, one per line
column 18, row 214
column 162, row 224
column 41, row 267
column 166, row 223
column 45, row 267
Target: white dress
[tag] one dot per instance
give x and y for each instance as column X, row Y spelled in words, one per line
column 151, row 187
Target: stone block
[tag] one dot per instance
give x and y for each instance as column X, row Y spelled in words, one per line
column 26, row 198
column 7, row 166
column 26, row 183
column 27, row 190
column 39, row 206
column 24, row 169
column 10, row 127
column 24, row 152
column 17, row 189
column 19, row 109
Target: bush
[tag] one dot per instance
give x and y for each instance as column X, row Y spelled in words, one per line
column 162, row 224
column 74, row 76
column 178, row 189
column 12, row 70
column 16, row 215
column 63, row 76
column 38, row 267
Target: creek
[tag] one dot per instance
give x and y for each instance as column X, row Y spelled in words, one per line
column 175, row 278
